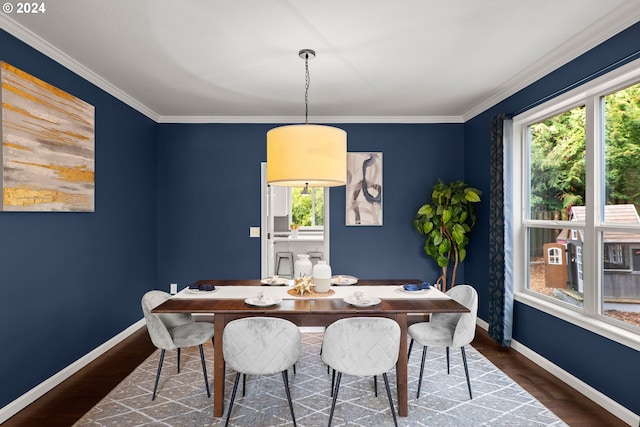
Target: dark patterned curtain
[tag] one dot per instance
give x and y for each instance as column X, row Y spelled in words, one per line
column 500, row 284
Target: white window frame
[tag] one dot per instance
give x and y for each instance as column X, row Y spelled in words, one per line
column 615, row 253
column 591, row 228
column 554, row 256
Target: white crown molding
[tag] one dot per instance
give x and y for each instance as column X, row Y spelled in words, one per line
column 610, row 25
column 46, row 48
column 623, row 17
column 318, row 119
column 62, row 58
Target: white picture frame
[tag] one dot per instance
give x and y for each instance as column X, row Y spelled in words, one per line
column 363, row 205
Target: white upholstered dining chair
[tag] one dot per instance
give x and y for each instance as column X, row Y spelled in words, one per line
column 261, row 346
column 170, row 331
column 448, row 330
column 361, row 346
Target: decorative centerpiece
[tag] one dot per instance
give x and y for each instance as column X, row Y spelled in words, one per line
column 303, row 284
column 303, row 287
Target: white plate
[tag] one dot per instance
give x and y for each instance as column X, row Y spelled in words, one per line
column 344, row 280
column 368, row 302
column 404, row 291
column 198, row 291
column 264, row 303
column 275, row 282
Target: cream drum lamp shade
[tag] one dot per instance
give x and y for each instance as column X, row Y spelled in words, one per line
column 313, row 155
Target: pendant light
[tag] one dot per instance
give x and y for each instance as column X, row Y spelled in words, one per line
column 306, row 155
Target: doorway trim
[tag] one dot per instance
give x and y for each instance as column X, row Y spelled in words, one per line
column 266, row 226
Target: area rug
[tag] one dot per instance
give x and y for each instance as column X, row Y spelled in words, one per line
column 444, row 399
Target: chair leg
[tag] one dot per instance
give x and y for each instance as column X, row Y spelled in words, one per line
column 447, row 360
column 335, row 396
column 178, row 359
column 204, row 370
column 285, row 379
column 333, row 381
column 466, row 370
column 410, row 347
column 375, row 385
column 424, row 358
column 393, row 411
column 155, row 387
column 244, row 384
column 233, row 396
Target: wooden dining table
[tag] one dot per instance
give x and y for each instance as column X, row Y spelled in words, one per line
column 310, row 312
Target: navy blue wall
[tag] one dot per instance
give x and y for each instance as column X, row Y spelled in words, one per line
column 71, row 281
column 209, row 186
column 608, row 367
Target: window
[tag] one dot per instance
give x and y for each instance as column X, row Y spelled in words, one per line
column 307, row 210
column 576, row 176
column 554, row 256
column 615, row 255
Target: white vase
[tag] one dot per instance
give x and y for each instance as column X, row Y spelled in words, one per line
column 302, row 266
column 322, row 276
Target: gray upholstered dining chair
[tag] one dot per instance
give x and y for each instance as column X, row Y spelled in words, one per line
column 448, row 330
column 361, row 346
column 261, row 346
column 170, row 331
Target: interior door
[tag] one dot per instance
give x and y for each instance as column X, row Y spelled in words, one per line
column 267, row 230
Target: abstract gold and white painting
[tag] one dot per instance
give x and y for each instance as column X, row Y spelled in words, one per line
column 364, row 189
column 48, row 146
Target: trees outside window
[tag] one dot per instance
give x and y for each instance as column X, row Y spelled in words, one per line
column 307, row 211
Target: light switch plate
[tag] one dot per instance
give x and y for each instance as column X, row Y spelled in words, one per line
column 254, row 231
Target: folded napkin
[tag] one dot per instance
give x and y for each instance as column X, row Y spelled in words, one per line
column 261, row 297
column 264, row 298
column 203, row 287
column 361, row 298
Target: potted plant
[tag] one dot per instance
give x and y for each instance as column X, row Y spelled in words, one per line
column 294, row 230
column 446, row 222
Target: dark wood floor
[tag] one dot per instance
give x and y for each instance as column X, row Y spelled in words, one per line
column 69, row 401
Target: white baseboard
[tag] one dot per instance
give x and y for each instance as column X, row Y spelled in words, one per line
column 604, row 401
column 38, row 391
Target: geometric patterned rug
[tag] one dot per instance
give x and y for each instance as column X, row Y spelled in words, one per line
column 444, row 399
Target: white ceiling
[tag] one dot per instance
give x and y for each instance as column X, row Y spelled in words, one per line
column 377, row 60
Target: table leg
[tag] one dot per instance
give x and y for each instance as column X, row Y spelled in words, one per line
column 402, row 369
column 218, row 365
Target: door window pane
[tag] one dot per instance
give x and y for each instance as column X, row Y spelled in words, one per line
column 307, row 210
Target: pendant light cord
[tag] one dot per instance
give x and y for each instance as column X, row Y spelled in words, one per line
column 306, row 89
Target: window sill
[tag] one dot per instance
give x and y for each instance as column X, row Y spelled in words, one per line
column 600, row 325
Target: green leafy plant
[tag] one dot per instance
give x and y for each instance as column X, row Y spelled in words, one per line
column 446, row 223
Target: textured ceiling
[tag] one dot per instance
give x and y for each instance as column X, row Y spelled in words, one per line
column 377, row 60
